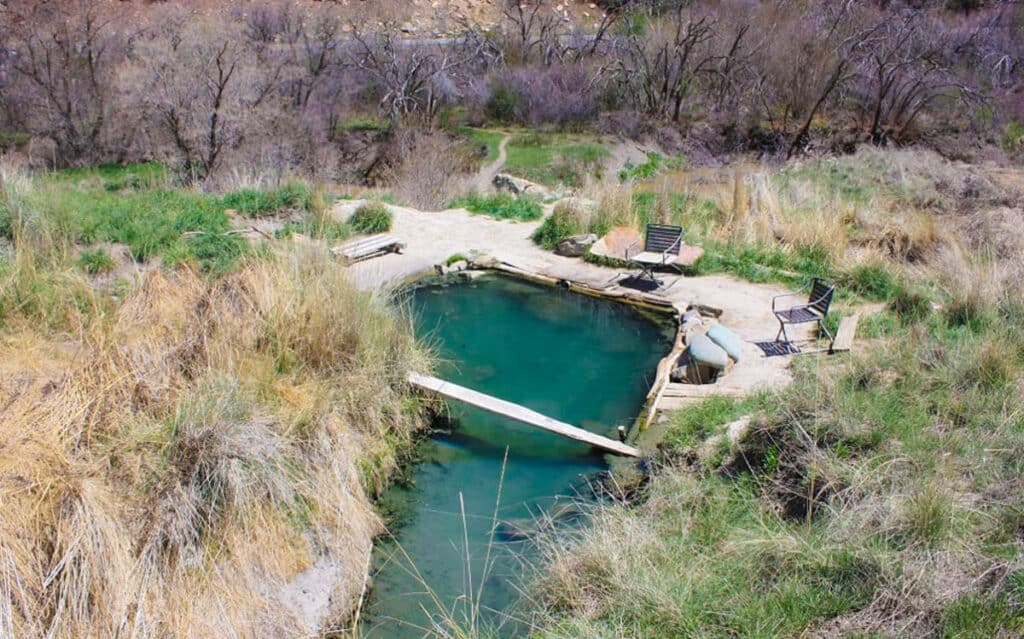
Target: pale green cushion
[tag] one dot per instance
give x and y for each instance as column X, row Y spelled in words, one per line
column 729, row 341
column 703, row 351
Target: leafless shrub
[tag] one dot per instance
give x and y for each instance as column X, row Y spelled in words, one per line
column 434, row 170
column 558, row 94
column 66, row 69
column 411, row 78
column 903, row 67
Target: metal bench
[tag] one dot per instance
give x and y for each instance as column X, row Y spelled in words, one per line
column 661, row 248
column 814, row 310
column 367, row 247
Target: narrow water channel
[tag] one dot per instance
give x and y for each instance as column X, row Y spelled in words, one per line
column 581, row 360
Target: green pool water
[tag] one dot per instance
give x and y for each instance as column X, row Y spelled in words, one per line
column 581, row 360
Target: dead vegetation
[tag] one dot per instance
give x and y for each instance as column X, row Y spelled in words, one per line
column 171, row 468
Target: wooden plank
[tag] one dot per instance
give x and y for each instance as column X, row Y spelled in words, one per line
column 519, row 413
column 700, row 391
column 845, row 333
column 367, row 247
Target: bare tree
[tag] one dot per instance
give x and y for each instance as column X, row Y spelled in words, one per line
column 806, row 64
column 191, row 84
column 414, row 78
column 69, row 65
column 662, row 67
column 902, row 69
column 533, row 31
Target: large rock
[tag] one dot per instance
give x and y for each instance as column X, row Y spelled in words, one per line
column 576, row 245
column 517, row 186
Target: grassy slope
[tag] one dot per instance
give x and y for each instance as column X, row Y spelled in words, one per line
column 176, row 451
column 880, row 494
column 546, row 158
column 909, row 458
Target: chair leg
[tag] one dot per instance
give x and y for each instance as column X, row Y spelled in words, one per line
column 831, row 338
column 782, row 330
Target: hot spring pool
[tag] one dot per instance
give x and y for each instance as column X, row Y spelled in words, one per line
column 585, row 361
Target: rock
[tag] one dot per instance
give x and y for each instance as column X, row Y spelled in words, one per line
column 576, row 245
column 484, row 261
column 737, row 431
column 517, row 186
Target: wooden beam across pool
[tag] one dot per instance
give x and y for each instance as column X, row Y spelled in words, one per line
column 520, row 414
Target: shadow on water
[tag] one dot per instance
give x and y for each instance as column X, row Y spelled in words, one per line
column 575, row 358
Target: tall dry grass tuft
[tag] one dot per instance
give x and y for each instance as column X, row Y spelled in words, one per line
column 198, row 447
column 613, row 204
column 975, row 285
column 434, row 169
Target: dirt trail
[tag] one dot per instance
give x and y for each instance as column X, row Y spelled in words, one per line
column 488, row 172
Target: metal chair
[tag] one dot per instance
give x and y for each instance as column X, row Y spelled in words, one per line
column 662, row 245
column 814, row 310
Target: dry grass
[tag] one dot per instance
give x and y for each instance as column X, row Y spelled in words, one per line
column 194, row 449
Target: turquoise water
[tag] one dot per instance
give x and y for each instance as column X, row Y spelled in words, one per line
column 578, row 359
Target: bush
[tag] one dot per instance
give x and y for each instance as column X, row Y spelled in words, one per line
column 561, row 95
column 910, row 304
column 655, row 164
column 568, row 218
column 95, row 261
column 872, row 281
column 503, row 104
column 256, row 202
column 1013, row 140
column 372, row 217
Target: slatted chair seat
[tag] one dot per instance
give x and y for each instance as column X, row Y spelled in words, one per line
column 814, row 310
column 662, row 245
column 799, row 315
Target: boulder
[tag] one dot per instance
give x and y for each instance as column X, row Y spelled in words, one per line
column 615, row 243
column 576, row 245
column 517, row 186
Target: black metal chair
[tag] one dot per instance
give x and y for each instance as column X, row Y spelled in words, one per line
column 814, row 310
column 662, row 245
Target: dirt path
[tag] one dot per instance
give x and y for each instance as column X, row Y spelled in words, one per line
column 487, row 173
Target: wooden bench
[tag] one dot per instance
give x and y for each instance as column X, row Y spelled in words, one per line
column 366, row 247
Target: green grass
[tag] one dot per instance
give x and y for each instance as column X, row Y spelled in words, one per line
column 484, row 137
column 655, row 163
column 502, row 206
column 372, row 217
column 317, row 229
column 554, row 158
column 849, row 487
column 260, row 202
column 549, row 158
column 140, row 206
column 95, row 261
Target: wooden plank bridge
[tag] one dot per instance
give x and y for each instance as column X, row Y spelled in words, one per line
column 520, row 414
